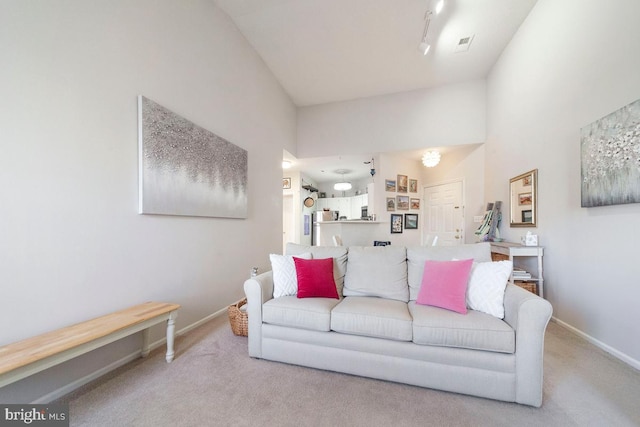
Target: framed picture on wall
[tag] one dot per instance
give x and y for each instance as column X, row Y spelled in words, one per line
column 390, row 185
column 415, row 204
column 396, row 223
column 391, row 204
column 286, row 183
column 402, row 203
column 413, row 186
column 524, row 199
column 411, row 221
column 402, row 183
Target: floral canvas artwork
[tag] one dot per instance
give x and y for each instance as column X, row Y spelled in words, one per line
column 610, row 151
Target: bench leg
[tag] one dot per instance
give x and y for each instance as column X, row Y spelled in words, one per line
column 171, row 325
column 145, row 343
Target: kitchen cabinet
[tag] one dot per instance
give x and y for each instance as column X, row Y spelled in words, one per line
column 351, row 207
column 357, row 202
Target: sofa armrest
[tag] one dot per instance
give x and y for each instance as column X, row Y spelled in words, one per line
column 528, row 315
column 258, row 290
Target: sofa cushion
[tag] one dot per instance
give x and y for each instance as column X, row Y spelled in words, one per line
column 377, row 271
column 306, row 313
column 315, row 278
column 474, row 330
column 444, row 284
column 373, row 317
column 487, row 283
column 416, row 257
column 285, row 279
column 338, row 253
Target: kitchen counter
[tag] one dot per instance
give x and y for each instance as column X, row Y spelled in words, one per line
column 350, row 221
column 352, row 232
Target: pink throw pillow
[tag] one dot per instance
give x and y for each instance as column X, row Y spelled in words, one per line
column 444, row 284
column 315, row 278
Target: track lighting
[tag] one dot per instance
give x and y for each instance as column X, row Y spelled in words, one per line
column 439, row 6
column 424, row 45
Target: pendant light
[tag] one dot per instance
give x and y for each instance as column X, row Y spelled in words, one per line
column 342, row 185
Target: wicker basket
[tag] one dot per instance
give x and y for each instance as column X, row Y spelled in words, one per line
column 238, row 318
column 528, row 286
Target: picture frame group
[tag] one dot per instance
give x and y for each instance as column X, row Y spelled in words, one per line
column 402, row 202
column 400, row 222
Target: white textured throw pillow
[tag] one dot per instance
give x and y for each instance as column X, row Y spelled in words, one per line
column 285, row 280
column 487, row 283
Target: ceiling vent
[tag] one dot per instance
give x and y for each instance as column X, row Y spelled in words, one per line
column 463, row 44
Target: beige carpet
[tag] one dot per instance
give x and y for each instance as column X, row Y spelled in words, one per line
column 212, row 382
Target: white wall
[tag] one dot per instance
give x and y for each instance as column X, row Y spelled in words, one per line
column 444, row 116
column 571, row 63
column 73, row 246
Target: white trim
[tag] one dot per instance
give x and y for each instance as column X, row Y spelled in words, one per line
column 68, row 388
column 64, row 390
column 615, row 353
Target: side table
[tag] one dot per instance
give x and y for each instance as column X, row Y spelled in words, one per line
column 513, row 250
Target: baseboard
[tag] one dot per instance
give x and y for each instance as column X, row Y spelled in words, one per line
column 200, row 322
column 615, row 353
column 62, row 391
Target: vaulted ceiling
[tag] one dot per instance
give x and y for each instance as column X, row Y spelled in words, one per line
column 324, row 51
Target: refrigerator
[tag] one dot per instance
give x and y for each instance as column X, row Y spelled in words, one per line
column 316, row 218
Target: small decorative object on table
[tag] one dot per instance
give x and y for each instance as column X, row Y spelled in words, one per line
column 238, row 318
column 530, row 239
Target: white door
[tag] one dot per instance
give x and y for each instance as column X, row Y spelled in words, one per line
column 444, row 214
column 288, row 230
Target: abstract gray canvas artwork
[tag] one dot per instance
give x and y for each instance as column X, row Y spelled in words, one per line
column 610, row 151
column 187, row 170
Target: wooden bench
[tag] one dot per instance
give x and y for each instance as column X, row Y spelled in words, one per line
column 23, row 358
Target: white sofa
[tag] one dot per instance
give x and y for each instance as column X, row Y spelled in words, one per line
column 376, row 329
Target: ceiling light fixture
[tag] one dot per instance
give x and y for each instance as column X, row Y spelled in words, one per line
column 286, row 164
column 343, row 185
column 439, row 6
column 431, row 158
column 424, row 45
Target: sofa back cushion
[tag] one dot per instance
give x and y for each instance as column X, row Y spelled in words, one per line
column 416, row 257
column 377, row 271
column 338, row 253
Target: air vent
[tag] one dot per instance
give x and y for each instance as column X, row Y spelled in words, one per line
column 463, row 44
